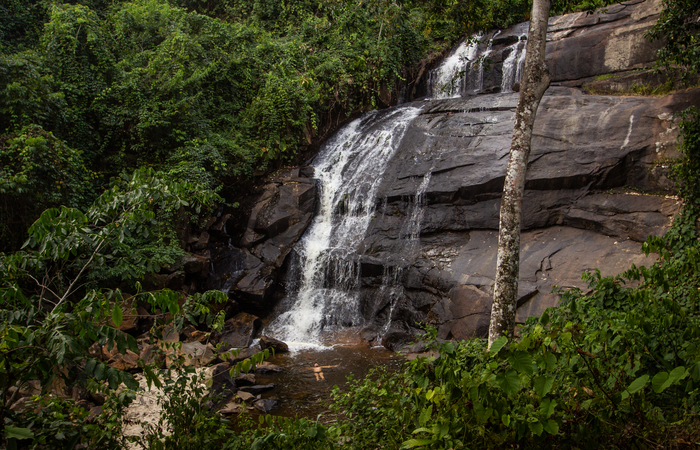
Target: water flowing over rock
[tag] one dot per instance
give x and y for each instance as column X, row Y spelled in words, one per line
column 405, row 232
column 350, row 169
column 446, row 80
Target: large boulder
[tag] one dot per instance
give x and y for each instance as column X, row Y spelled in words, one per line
column 239, row 331
column 278, row 219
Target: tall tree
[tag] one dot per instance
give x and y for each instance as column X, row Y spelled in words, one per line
column 533, row 86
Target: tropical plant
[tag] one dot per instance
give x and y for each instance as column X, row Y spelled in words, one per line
column 55, row 299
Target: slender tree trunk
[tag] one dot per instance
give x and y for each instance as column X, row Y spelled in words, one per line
column 532, row 87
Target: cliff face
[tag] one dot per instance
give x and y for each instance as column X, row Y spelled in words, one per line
column 597, row 185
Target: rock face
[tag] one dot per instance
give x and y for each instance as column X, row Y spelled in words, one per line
column 249, row 272
column 597, row 185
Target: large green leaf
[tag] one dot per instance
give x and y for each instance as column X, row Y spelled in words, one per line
column 547, row 407
column 536, row 428
column 117, row 315
column 498, row 345
column 413, row 443
column 663, row 380
column 509, row 382
column 522, row 362
column 638, row 384
column 18, row 433
column 542, row 385
column 551, row 427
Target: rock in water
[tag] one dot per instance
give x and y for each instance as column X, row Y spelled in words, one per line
column 265, row 405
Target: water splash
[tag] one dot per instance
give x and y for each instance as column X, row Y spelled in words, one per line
column 349, row 168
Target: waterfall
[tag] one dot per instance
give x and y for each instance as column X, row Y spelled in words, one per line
column 417, row 211
column 410, row 232
column 349, row 168
column 513, row 65
column 446, row 80
column 473, row 81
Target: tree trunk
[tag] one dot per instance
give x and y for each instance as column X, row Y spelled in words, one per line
column 532, row 87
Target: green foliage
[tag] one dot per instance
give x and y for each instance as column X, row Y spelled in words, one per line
column 21, row 22
column 28, row 94
column 187, row 422
column 37, row 171
column 380, row 408
column 688, row 168
column 282, row 433
column 53, row 301
column 678, row 25
column 52, row 422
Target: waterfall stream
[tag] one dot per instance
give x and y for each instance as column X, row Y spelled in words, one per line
column 350, row 168
column 446, row 80
column 513, row 65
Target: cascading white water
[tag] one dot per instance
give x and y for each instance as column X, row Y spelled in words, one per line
column 473, row 80
column 417, row 211
column 349, row 168
column 513, row 65
column 446, row 80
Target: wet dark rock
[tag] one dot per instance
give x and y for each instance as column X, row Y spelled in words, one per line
column 584, row 45
column 158, row 281
column 239, row 330
column 397, row 335
column 222, row 383
column 466, row 314
column 257, row 389
column 232, row 408
column 266, row 367
column 200, row 242
column 196, row 264
column 245, row 396
column 238, row 355
column 265, row 405
column 220, row 223
column 272, row 343
column 277, row 220
column 246, row 379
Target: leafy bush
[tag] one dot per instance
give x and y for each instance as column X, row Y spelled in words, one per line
column 61, row 423
column 54, row 303
column 37, row 171
column 187, row 421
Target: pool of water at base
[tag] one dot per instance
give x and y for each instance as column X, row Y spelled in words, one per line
column 300, row 394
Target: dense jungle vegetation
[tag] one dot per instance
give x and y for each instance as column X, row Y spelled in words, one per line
column 118, row 119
